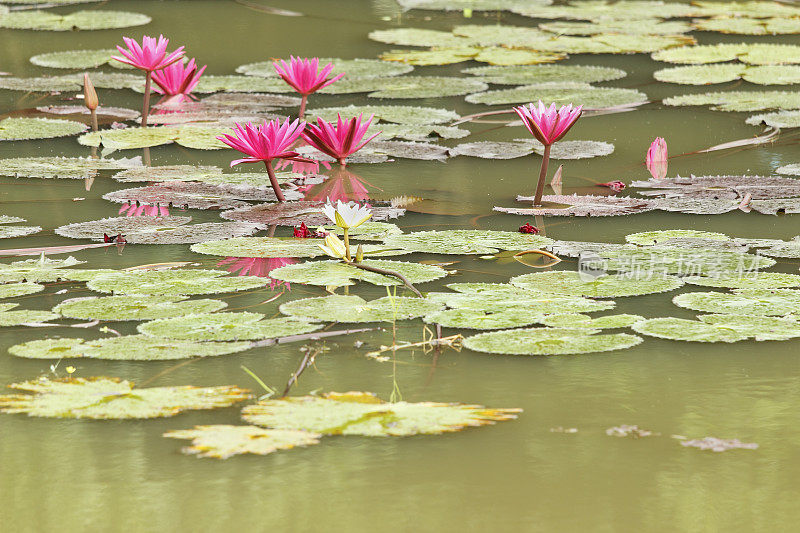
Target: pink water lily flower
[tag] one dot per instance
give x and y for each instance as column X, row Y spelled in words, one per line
column 149, row 56
column 341, row 139
column 269, row 141
column 656, row 159
column 305, row 77
column 547, row 125
column 178, row 80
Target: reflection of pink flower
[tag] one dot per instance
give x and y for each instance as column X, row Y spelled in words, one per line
column 132, row 210
column 302, row 167
column 342, row 185
column 656, row 159
column 178, row 80
column 258, row 266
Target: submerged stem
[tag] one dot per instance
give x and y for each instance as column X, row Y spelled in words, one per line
column 146, row 105
column 537, row 200
column 274, row 181
column 386, row 272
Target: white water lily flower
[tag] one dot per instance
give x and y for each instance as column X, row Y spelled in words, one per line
column 347, row 216
column 333, row 246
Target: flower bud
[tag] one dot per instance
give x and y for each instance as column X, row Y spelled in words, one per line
column 90, row 99
column 359, row 254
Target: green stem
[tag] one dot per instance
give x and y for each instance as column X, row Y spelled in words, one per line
column 537, row 200
column 274, row 181
column 146, row 106
column 347, row 245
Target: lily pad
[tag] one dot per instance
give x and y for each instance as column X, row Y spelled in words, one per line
column 679, row 329
column 700, row 54
column 561, row 93
column 472, row 318
column 295, row 213
column 16, row 129
column 761, row 328
column 238, row 326
column 351, row 68
column 505, row 298
column 549, row 341
column 574, row 284
column 45, row 271
column 112, row 398
column 739, row 100
column 582, row 206
column 409, row 150
column 79, row 20
column 420, row 37
column 40, row 84
column 192, row 233
column 434, row 56
column 780, row 120
column 362, row 413
column 125, row 348
column 197, row 137
column 13, row 290
column 399, row 114
column 751, row 302
column 195, row 195
column 747, row 280
column 337, row 308
column 475, row 5
column 649, row 238
column 408, row 87
column 223, row 441
column 18, row 317
column 173, row 282
column 576, row 149
column 721, row 187
column 535, row 74
column 277, row 247
column 701, row 74
column 338, row 274
column 683, row 261
column 62, row 167
column 8, row 232
column 640, row 27
column 419, row 132
column 75, row 59
column 94, row 229
column 134, row 307
column 576, row 320
column 749, row 26
column 493, row 149
column 368, row 231
column 465, row 241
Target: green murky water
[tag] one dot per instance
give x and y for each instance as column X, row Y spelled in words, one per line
column 516, row 476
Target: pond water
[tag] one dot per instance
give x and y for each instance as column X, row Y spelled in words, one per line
column 523, row 474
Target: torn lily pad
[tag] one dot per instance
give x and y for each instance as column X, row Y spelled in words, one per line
column 747, row 280
column 111, row 398
column 576, row 149
column 226, row 326
column 192, row 233
column 62, row 167
column 79, row 20
column 780, row 120
column 352, row 68
column 19, row 317
column 173, row 282
column 493, row 149
column 337, row 308
column 535, row 74
column 223, row 441
column 582, row 206
column 410, row 150
column 94, row 229
column 12, row 290
column 649, row 238
column 400, row 114
column 608, row 286
column 577, row 320
column 751, row 302
column 362, row 413
column 75, row 59
column 22, row 129
column 465, row 241
column 561, row 94
column 125, row 348
column 278, row 247
column 549, row 341
column 8, row 232
column 134, row 307
column 338, row 274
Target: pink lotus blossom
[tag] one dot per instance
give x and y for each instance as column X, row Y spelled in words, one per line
column 178, row 80
column 656, row 159
column 132, row 210
column 547, row 125
column 258, row 266
column 340, row 140
column 150, row 55
column 271, row 140
column 305, row 77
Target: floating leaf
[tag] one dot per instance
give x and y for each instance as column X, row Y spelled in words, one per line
column 719, row 445
column 576, row 320
column 16, row 129
column 561, row 94
column 112, row 113
column 410, row 150
column 419, row 132
column 41, row 84
column 62, row 167
column 200, row 138
column 649, row 238
column 739, row 100
column 134, row 307
column 510, row 57
column 501, row 34
column 75, row 59
column 8, row 219
column 399, row 114
column 419, row 37
column 686, row 262
column 747, row 26
column 192, row 233
column 779, row 120
column 195, row 195
column 12, row 290
column 701, row 74
column 776, row 206
column 408, row 87
column 125, row 348
column 500, row 297
column 239, row 326
column 576, row 149
column 241, row 84
column 582, row 206
column 549, row 341
column 8, row 232
column 352, row 68
column 640, row 27
column 222, row 441
column 493, row 149
column 295, row 213
column 45, row 271
column 338, row 274
column 536, row 74
column 475, row 5
column 278, row 247
column 465, row 241
column 362, row 413
column 173, row 282
column 574, row 284
column 79, row 20
column 18, row 317
column 94, row 229
column 111, row 398
column 761, row 328
column 679, row 329
column 471, row 318
column 336, row 308
column 721, row 187
column 368, row 231
column 435, row 56
column 603, row 10
column 751, row 302
column 708, row 53
column 747, row 280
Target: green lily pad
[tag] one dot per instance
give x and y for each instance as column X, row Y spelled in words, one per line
column 226, row 326
column 351, row 68
column 45, row 270
column 535, row 74
column 497, row 298
column 640, row 27
column 338, row 274
column 169, row 173
column 337, row 308
column 173, row 282
column 19, row 317
column 277, row 247
column 577, row 320
column 223, row 441
column 701, row 74
column 419, row 132
column 761, row 328
column 549, row 341
column 296, row 213
column 471, row 318
column 409, row 87
column 561, row 94
column 125, row 348
column 409, row 150
column 12, row 290
column 501, row 35
column 604, row 10
column 686, row 262
column 196, row 195
column 79, row 20
column 475, row 5
column 493, row 149
column 40, row 84
column 648, row 238
column 75, row 59
column 779, row 119
column 8, row 219
column 17, row 129
column 434, row 56
column 192, row 233
column 747, row 280
column 8, row 232
column 112, row 398
column 400, row 114
column 500, row 56
column 419, row 37
column 94, row 229
column 747, row 8
column 62, row 167
column 574, row 284
column 748, row 26
column 581, row 206
column 465, row 241
column 709, row 53
column 241, row 84
column 201, row 138
column 751, row 302
column 362, row 413
column 576, row 149
column 739, row 100
column 368, row 231
column 134, row 307
column 679, row 329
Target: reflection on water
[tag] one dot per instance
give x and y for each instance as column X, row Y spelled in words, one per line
column 258, row 266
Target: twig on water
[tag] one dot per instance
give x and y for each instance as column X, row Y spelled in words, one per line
column 308, row 360
column 307, row 337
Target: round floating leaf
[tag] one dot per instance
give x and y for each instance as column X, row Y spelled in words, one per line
column 739, row 100
column 648, row 238
column 701, row 74
column 475, row 5
column 722, row 187
column 113, row 113
column 62, row 167
column 125, row 348
column 362, row 413
column 19, row 317
column 134, row 307
column 576, row 320
column 679, row 329
column 410, row 150
column 549, row 341
column 43, row 84
column 94, row 229
column 226, row 327
column 507, row 298
column 752, row 302
column 221, row 441
column 493, row 149
column 747, row 280
column 241, row 84
column 173, row 282
column 419, row 37
column 527, row 75
column 278, row 247
column 195, row 195
column 400, row 114
column 582, row 206
column 419, row 132
column 8, row 232
column 713, row 53
column 745, row 9
column 466, row 241
column 510, row 57
column 603, row 10
column 12, row 290
column 192, row 233
column 780, row 120
column 408, row 87
column 295, row 213
column 111, row 398
column 8, row 219
column 16, row 129
column 79, row 20
column 338, row 274
column 561, row 94
column 336, row 308
column 368, row 231
column 75, row 59
column 352, row 68
column 687, row 262
column 435, row 56
column 576, row 284
column 761, row 328
column 640, row 27
column 471, row 318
